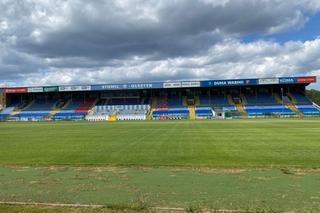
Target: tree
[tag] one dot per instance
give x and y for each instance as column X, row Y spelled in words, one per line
column 314, row 95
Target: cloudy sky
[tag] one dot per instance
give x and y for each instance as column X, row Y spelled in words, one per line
column 45, row 42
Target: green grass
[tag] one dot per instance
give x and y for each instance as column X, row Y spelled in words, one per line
column 5, row 208
column 140, row 188
column 228, row 143
column 258, row 165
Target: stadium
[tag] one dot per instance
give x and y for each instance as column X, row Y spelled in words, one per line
column 175, row 146
column 146, row 106
column 237, row 98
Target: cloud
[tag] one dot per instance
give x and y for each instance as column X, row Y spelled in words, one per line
column 120, row 29
column 228, row 59
column 73, row 41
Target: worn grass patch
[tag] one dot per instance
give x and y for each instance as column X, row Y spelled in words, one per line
column 134, row 188
column 11, row 208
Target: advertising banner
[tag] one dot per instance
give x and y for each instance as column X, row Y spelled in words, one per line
column 74, row 88
column 190, row 84
column 126, row 86
column 306, row 79
column 143, row 85
column 51, row 89
column 171, row 84
column 35, row 89
column 106, row 87
column 16, row 90
column 289, row 80
column 221, row 83
column 264, row 81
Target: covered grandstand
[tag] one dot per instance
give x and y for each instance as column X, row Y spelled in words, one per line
column 210, row 99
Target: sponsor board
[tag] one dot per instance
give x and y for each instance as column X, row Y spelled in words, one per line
column 143, row 85
column 220, row 83
column 190, row 84
column 139, row 86
column 16, row 90
column 171, row 84
column 74, row 88
column 251, row 81
column 51, row 89
column 106, row 87
column 226, row 83
column 263, row 81
column 35, row 89
column 306, row 79
column 158, row 85
column 289, row 80
column 229, row 83
column 126, row 86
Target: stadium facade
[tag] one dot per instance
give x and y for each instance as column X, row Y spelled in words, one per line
column 237, row 98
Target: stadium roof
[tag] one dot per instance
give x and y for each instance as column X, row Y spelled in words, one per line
column 161, row 85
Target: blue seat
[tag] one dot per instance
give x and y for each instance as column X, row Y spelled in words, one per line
column 260, row 99
column 172, row 112
column 203, row 111
column 2, row 116
column 263, row 110
column 31, row 114
column 301, row 99
column 308, row 109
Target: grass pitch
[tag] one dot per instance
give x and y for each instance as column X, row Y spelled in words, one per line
column 224, row 143
column 254, row 165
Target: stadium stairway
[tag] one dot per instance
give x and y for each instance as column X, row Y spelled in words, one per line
column 241, row 110
column 230, row 100
column 57, row 107
column 149, row 113
column 93, row 105
column 14, row 112
column 184, row 101
column 197, row 100
column 277, row 98
column 293, row 99
column 18, row 110
column 192, row 112
column 53, row 112
column 293, row 108
column 243, row 98
column 66, row 104
column 239, row 107
column 290, row 105
column 54, row 109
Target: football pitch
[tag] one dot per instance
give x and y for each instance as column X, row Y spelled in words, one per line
column 263, row 164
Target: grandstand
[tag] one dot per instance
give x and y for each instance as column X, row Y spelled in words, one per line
column 210, row 99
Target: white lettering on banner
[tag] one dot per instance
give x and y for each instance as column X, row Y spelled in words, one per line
column 219, row 83
column 268, row 81
column 172, row 85
column 74, row 88
column 287, row 80
column 35, row 89
column 111, row 86
column 239, row 82
column 190, row 84
column 228, row 83
column 140, row 86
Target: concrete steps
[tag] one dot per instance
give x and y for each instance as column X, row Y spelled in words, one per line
column 241, row 110
column 293, row 108
column 192, row 112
